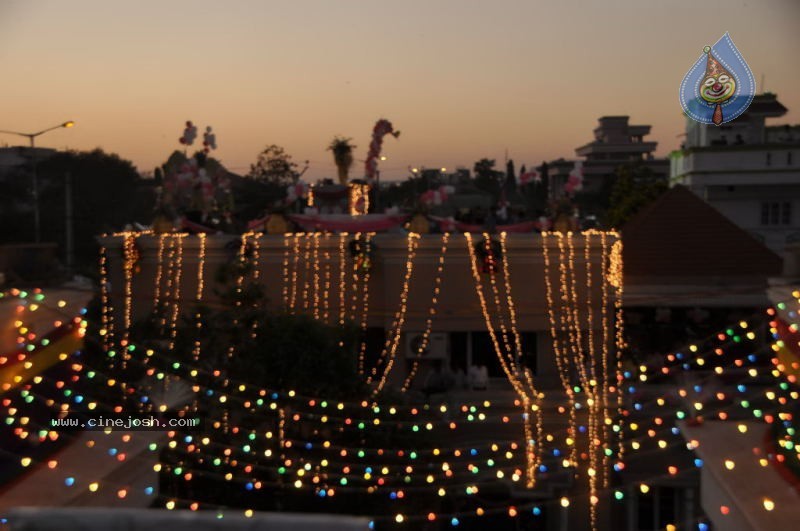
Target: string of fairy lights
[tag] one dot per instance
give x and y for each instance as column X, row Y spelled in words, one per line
column 510, row 363
column 697, row 360
column 426, row 334
column 364, row 279
column 585, row 390
column 389, row 352
column 509, row 356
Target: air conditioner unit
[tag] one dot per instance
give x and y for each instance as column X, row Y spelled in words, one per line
column 435, row 350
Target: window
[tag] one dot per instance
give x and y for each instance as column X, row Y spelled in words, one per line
column 775, row 213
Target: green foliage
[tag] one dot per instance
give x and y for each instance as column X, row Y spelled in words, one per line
column 107, row 194
column 487, row 179
column 342, row 149
column 634, row 188
column 273, row 349
column 510, row 184
column 274, row 165
column 300, row 353
column 404, row 194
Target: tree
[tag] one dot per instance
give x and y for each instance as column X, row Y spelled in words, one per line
column 484, row 168
column 342, row 156
column 487, row 178
column 275, row 166
column 107, row 194
column 511, row 179
column 634, row 188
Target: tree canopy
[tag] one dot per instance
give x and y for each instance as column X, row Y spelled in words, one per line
column 634, row 188
column 275, row 166
column 107, row 194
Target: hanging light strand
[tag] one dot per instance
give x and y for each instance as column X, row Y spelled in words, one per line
column 315, row 278
column 295, row 264
column 107, row 311
column 536, row 407
column 326, row 277
column 585, row 363
column 616, row 280
column 362, row 352
column 559, row 349
column 342, row 277
column 511, row 372
column 176, row 304
column 130, row 256
column 285, row 287
column 159, row 272
column 164, row 312
column 604, row 376
column 309, row 245
column 393, row 341
column 510, row 352
column 437, row 286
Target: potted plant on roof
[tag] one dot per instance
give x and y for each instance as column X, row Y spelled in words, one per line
column 342, row 156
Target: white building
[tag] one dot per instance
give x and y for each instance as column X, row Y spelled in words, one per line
column 747, row 170
column 616, row 143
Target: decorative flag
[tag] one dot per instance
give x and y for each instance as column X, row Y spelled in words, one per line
column 720, row 86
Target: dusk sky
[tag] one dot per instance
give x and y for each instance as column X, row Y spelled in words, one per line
column 462, row 79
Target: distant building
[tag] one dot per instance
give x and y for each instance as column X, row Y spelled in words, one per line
column 680, row 250
column 16, row 176
column 616, row 143
column 747, row 170
column 689, row 272
column 14, row 159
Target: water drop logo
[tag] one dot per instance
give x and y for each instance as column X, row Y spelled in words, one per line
column 720, row 86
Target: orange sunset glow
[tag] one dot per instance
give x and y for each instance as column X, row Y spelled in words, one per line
column 461, row 79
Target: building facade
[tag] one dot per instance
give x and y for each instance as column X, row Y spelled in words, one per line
column 616, row 143
column 747, row 170
column 302, row 273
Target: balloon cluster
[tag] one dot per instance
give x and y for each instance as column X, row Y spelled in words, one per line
column 209, row 140
column 531, row 176
column 382, row 128
column 575, row 179
column 192, row 187
column 436, row 197
column 296, row 191
column 189, row 134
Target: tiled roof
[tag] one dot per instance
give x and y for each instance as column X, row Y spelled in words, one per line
column 681, row 236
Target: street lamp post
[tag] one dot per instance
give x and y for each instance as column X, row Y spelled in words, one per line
column 378, row 188
column 32, row 138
